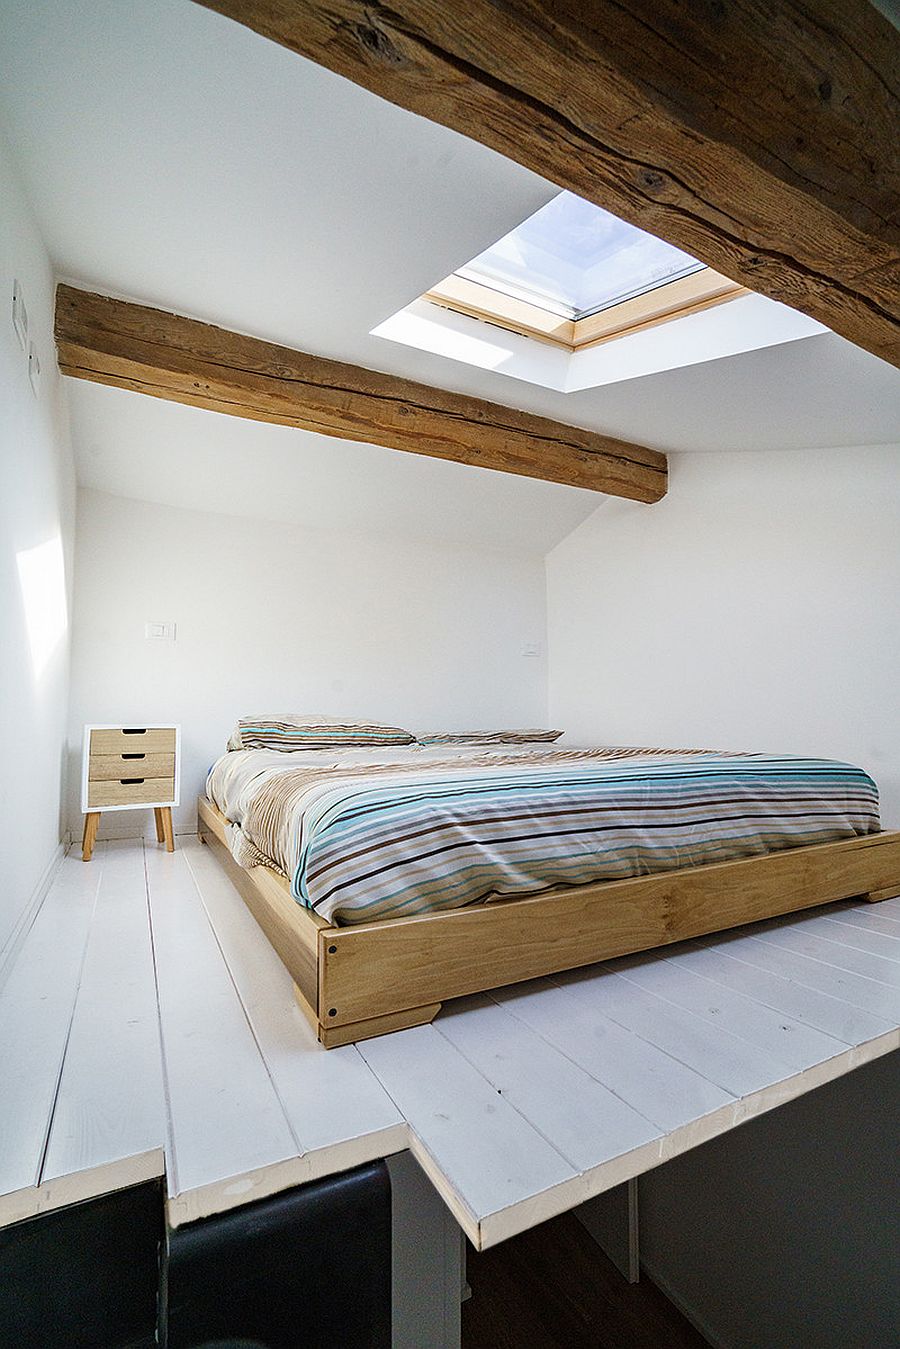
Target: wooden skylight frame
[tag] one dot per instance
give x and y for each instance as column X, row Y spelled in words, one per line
column 672, row 300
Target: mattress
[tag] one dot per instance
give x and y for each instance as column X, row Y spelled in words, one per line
column 365, row 835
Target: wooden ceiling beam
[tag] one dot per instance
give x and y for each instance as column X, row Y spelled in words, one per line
column 147, row 350
column 760, row 137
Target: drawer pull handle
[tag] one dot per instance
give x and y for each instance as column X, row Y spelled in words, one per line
column 137, row 730
column 134, row 756
column 130, row 782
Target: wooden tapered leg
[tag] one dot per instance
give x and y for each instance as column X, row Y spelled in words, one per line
column 165, row 814
column 157, row 816
column 88, row 838
column 333, row 1036
column 876, row 896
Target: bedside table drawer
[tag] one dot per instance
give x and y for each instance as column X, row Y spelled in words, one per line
column 134, row 740
column 131, row 764
column 129, row 767
column 130, row 790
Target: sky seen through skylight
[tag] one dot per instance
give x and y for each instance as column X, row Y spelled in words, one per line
column 573, row 258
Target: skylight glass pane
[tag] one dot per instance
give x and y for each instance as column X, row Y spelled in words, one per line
column 574, row 257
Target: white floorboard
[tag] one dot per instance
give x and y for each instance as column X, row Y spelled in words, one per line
column 36, row 1006
column 147, row 1028
column 833, row 929
column 662, row 1089
column 11, row 947
column 808, row 941
column 483, row 1155
column 870, row 918
column 332, row 1098
column 109, row 1115
column 850, row 990
column 226, row 1123
column 785, row 981
column 587, row 1122
column 712, row 1051
column 787, row 1041
column 887, row 908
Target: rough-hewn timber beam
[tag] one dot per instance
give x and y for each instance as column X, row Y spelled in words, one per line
column 759, row 135
column 133, row 347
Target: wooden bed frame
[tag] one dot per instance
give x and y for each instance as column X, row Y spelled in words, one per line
column 370, row 978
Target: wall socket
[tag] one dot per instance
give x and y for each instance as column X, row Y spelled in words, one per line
column 531, row 648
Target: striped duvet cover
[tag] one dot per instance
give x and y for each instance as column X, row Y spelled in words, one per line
column 413, row 835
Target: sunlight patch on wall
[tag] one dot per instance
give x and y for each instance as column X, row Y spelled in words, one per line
column 42, row 580
column 431, row 334
column 748, row 323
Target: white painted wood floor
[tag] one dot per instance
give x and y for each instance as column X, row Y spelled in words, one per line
column 147, row 1028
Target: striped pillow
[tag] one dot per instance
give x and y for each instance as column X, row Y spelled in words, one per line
column 533, row 737
column 287, row 731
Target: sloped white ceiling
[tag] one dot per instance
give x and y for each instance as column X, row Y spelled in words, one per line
column 176, row 158
column 179, row 159
column 212, row 462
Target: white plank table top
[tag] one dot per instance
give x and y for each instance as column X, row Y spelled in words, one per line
column 148, row 1029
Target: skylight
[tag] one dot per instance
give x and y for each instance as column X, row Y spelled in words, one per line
column 574, row 298
column 573, row 258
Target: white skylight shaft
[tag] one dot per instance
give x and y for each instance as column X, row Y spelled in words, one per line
column 573, row 258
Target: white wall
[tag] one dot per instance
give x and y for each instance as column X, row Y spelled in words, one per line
column 783, row 1234
column 37, row 504
column 756, row 607
column 272, row 617
column 427, row 1264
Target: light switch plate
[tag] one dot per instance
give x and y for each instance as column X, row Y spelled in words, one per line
column 20, row 315
column 34, row 368
column 160, row 632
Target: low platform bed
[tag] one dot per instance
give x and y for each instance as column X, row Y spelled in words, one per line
column 358, row 981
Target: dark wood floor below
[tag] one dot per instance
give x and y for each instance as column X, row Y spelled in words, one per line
column 553, row 1288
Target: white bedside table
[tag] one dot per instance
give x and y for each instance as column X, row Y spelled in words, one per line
column 130, row 768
